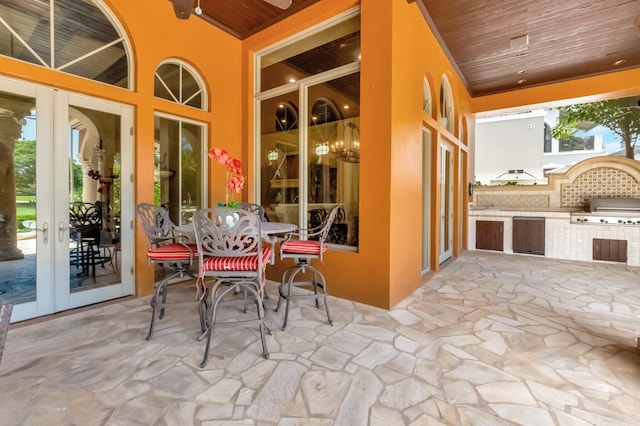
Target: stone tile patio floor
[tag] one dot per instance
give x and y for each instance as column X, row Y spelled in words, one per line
column 493, row 339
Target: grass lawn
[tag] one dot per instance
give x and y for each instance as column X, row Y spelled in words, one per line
column 25, row 205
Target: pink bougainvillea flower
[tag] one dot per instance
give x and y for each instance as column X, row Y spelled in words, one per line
column 220, row 155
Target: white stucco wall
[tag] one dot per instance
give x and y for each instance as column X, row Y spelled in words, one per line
column 510, row 143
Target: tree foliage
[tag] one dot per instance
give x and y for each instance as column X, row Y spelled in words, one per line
column 25, row 167
column 621, row 116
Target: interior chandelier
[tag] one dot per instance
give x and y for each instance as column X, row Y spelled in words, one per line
column 348, row 149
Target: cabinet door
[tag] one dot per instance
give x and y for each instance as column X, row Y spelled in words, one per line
column 610, row 250
column 528, row 235
column 489, row 235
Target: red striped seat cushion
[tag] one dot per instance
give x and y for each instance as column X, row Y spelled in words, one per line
column 233, row 263
column 173, row 251
column 302, row 247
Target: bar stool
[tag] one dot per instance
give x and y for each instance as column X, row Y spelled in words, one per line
column 303, row 246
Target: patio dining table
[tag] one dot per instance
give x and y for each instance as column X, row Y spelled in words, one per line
column 268, row 229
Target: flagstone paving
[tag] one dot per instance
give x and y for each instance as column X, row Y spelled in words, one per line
column 493, row 339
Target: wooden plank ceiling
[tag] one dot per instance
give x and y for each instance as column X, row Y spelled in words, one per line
column 495, row 45
column 567, row 39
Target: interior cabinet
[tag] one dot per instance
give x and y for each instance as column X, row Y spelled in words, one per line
column 610, row 250
column 490, row 235
column 528, row 235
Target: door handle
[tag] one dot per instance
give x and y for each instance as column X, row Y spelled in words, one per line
column 45, row 232
column 61, row 231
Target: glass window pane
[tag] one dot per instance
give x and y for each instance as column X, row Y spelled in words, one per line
column 336, row 46
column 107, row 66
column 30, row 20
column 426, row 96
column 191, row 171
column 334, row 156
column 167, row 82
column 179, row 175
column 190, row 87
column 80, row 28
column 279, row 153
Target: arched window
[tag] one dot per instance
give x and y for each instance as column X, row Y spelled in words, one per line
column 84, row 38
column 447, row 110
column 286, row 117
column 547, row 138
column 324, row 111
column 426, row 96
column 177, row 82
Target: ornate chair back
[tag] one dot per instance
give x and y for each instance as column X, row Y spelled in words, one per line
column 230, row 250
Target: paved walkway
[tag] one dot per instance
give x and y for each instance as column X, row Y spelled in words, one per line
column 493, row 339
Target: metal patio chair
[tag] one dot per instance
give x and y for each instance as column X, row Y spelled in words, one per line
column 169, row 249
column 230, row 251
column 304, row 246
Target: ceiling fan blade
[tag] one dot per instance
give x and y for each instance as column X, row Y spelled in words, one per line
column 182, row 8
column 282, row 4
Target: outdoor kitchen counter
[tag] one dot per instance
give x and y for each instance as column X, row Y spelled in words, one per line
column 563, row 239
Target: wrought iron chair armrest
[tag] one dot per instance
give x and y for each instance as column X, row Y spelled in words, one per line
column 311, row 232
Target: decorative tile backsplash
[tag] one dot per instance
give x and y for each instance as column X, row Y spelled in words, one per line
column 512, row 200
column 603, row 182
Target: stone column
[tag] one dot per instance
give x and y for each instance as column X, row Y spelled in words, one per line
column 10, row 131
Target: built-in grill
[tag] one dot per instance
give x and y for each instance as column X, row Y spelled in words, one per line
column 610, row 211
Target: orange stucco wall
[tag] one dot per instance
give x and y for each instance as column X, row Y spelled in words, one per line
column 398, row 51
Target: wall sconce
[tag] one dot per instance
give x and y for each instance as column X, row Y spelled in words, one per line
column 272, row 154
column 322, row 148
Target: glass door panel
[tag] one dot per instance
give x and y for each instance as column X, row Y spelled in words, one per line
column 426, row 200
column 446, row 202
column 18, row 200
column 91, row 241
column 280, row 158
column 94, row 198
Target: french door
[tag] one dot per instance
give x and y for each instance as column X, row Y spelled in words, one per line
column 446, row 202
column 66, row 240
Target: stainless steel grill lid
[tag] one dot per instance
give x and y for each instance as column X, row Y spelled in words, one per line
column 614, row 205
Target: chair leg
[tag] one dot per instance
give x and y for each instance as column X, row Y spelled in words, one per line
column 315, row 287
column 154, row 302
column 263, row 327
column 325, row 293
column 165, row 285
column 317, row 280
column 211, row 319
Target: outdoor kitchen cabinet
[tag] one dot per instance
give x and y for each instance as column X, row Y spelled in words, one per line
column 490, row 235
column 528, row 235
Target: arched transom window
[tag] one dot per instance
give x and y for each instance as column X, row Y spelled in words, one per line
column 447, row 110
column 177, row 82
column 84, row 38
column 426, row 96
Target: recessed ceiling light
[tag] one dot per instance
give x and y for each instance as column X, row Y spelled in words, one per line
column 346, row 107
column 520, row 72
column 619, row 62
column 520, row 42
column 521, row 81
column 292, row 80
